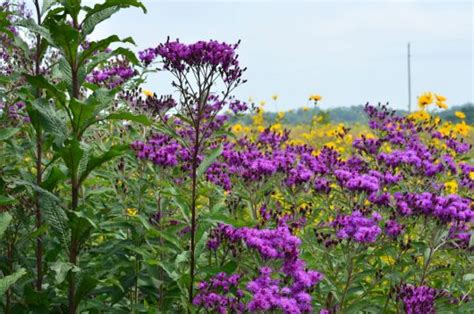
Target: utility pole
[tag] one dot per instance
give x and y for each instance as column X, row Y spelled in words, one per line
column 409, row 77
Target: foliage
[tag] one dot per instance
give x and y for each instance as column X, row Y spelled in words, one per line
column 114, row 198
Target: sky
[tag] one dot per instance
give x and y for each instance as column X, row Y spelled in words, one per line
column 350, row 52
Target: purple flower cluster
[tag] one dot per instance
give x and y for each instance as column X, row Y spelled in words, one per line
column 451, row 208
column 15, row 112
column 393, row 228
column 153, row 105
column 180, row 57
column 162, row 150
column 290, row 295
column 220, row 294
column 113, row 74
column 417, row 299
column 148, row 55
column 269, row 295
column 238, row 106
column 357, row 227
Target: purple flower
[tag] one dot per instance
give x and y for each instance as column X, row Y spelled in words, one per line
column 393, row 228
column 357, row 227
column 417, row 300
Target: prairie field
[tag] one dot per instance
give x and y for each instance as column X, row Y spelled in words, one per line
column 117, row 199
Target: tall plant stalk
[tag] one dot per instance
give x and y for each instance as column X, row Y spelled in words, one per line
column 39, row 170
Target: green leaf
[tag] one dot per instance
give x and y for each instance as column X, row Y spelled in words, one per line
column 62, row 269
column 94, row 162
column 72, row 154
column 42, row 83
column 47, row 4
column 7, row 281
column 37, row 188
column 101, row 45
column 33, row 27
column 92, row 19
column 4, row 200
column 55, row 175
column 87, row 283
column 6, row 133
column 57, row 219
column 50, row 120
column 114, row 3
column 208, row 161
column 129, row 116
column 5, row 219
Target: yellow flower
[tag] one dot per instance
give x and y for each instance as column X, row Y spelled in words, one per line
column 451, row 186
column 460, row 115
column 331, row 145
column 425, row 99
column 440, row 98
column 442, row 105
column 275, row 97
column 277, row 128
column 237, row 128
column 281, row 115
column 262, row 103
column 147, row 93
column 132, row 212
column 315, row 97
column 386, row 259
column 462, row 128
column 419, row 115
column 305, row 108
column 471, row 175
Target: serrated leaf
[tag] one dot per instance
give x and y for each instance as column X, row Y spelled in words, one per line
column 97, row 161
column 5, row 219
column 6, row 133
column 4, row 200
column 129, row 117
column 7, row 281
column 32, row 26
column 57, row 219
column 208, row 161
column 62, row 269
column 50, row 120
column 91, row 20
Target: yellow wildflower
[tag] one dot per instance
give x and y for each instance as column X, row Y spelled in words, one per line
column 451, row 186
column 460, row 115
column 305, row 108
column 419, row 115
column 471, row 175
column 425, row 99
column 237, row 128
column 147, row 93
column 315, row 97
column 440, row 98
column 441, row 105
column 276, row 128
column 262, row 103
column 132, row 212
column 462, row 128
column 281, row 115
column 387, row 259
column 275, row 97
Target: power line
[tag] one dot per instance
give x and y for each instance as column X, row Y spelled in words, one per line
column 409, row 77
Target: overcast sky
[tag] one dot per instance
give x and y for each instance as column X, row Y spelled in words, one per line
column 350, row 52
